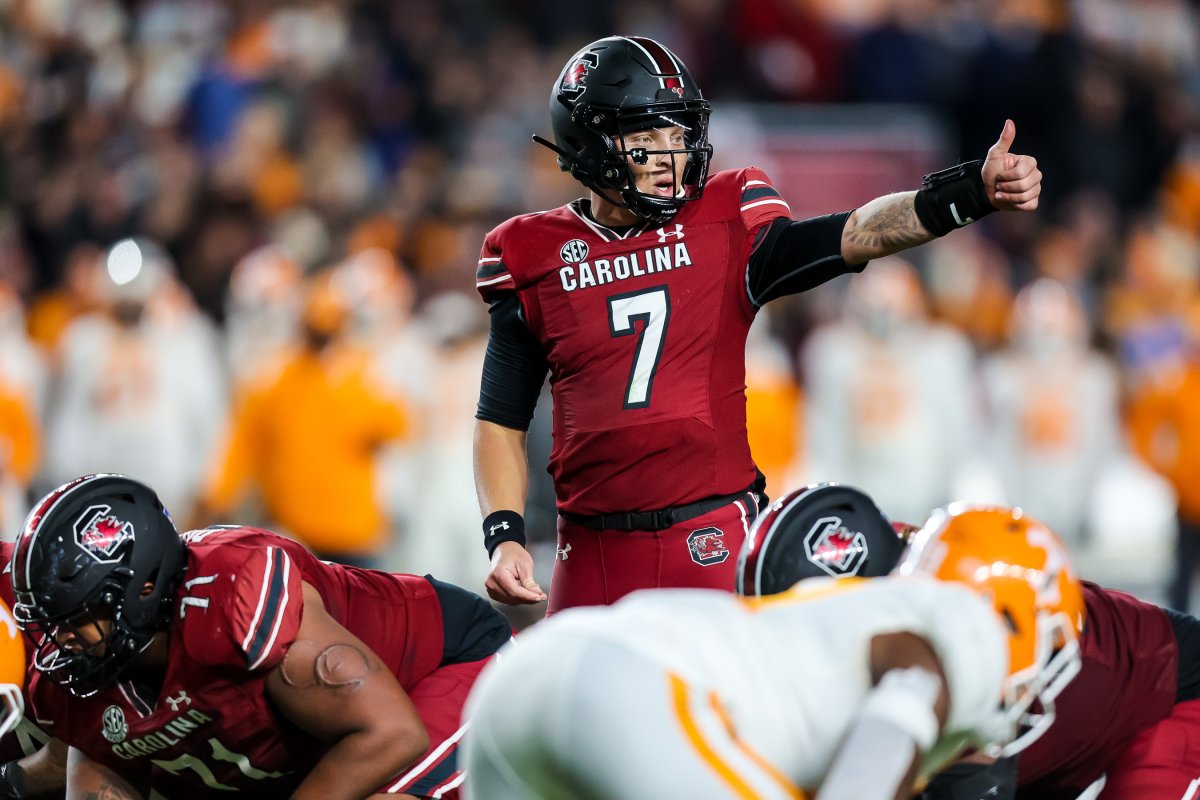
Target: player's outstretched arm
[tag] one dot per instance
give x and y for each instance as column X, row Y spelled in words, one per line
column 1004, row 181
column 88, row 780
column 901, row 718
column 502, row 482
column 336, row 688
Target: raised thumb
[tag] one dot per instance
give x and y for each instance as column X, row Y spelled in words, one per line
column 1007, row 134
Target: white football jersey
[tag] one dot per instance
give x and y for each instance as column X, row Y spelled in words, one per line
column 792, row 669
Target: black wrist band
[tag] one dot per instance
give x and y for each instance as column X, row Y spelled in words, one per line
column 952, row 198
column 503, row 526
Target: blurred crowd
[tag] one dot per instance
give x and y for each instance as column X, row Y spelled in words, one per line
column 237, row 245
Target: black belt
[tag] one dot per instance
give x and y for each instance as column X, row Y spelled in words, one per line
column 658, row 520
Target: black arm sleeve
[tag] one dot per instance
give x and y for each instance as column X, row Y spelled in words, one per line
column 966, row 781
column 1187, row 635
column 793, row 256
column 514, row 367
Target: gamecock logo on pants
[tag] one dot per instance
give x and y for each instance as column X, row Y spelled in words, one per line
column 707, row 546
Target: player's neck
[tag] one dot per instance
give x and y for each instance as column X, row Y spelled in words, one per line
column 154, row 657
column 149, row 669
column 611, row 215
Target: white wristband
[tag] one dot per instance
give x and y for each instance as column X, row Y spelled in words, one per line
column 905, row 698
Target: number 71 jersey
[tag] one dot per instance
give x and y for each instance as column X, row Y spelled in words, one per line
column 645, row 334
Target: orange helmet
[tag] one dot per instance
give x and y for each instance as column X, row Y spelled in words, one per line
column 12, row 671
column 1021, row 566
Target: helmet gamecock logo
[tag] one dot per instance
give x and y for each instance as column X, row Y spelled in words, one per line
column 836, row 549
column 100, row 534
column 707, row 546
column 574, row 79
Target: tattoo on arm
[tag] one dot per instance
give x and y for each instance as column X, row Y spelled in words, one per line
column 338, row 666
column 888, row 224
column 111, row 791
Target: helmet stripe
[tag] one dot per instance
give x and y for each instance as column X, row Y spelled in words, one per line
column 32, row 526
column 670, row 73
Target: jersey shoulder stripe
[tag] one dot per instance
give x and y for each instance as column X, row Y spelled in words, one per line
column 268, row 615
column 756, row 193
column 491, row 271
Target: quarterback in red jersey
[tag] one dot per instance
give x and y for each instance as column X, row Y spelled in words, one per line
column 232, row 659
column 1131, row 717
column 637, row 301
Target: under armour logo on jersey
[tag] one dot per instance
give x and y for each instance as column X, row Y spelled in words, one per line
column 664, row 234
column 500, row 526
column 174, row 702
column 561, row 553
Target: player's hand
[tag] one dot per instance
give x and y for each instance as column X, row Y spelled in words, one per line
column 12, row 781
column 1012, row 182
column 510, row 580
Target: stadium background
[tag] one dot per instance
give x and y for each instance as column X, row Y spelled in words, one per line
column 333, row 167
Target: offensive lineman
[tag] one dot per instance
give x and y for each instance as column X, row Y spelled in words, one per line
column 231, row 659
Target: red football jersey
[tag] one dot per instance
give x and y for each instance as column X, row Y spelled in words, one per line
column 1127, row 683
column 645, row 335
column 237, row 611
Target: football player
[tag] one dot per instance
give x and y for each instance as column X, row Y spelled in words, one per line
column 637, row 299
column 699, row 693
column 1142, row 741
column 230, row 658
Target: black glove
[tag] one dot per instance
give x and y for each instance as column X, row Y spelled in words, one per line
column 965, row 781
column 12, row 781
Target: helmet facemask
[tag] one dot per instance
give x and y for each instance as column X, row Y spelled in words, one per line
column 84, row 650
column 629, row 155
column 1027, row 704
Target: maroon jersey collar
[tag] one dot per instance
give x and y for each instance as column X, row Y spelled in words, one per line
column 581, row 208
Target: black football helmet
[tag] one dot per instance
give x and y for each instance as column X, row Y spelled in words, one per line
column 614, row 87
column 825, row 529
column 87, row 551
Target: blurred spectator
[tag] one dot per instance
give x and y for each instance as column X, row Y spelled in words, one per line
column 1054, row 425
column 262, row 311
column 306, row 435
column 444, row 536
column 773, row 403
column 382, row 297
column 1152, row 311
column 1164, row 423
column 75, row 295
column 20, row 453
column 890, row 395
column 139, row 387
column 22, row 367
column 969, row 287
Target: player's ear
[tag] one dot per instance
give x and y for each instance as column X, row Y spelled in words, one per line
column 147, row 588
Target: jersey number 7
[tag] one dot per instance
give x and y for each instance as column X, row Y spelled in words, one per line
column 652, row 308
